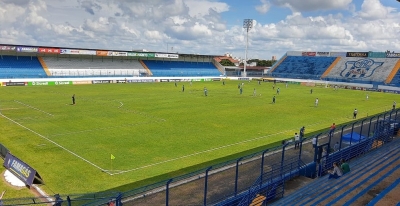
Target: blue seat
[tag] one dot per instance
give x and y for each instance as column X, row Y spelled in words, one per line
column 21, row 67
column 303, row 67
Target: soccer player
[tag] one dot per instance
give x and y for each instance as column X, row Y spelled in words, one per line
column 183, row 88
column 316, row 102
column 367, row 96
column 73, row 99
column 355, row 114
column 310, row 91
column 394, row 105
column 273, row 100
column 205, row 91
column 241, row 90
column 254, row 92
column 277, row 91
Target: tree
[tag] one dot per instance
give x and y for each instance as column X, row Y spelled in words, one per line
column 226, row 62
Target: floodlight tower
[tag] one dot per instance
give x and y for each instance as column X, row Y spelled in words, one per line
column 247, row 24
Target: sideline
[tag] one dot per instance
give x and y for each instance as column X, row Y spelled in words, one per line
column 55, row 143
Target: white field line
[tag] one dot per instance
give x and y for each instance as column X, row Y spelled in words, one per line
column 33, row 107
column 122, row 104
column 55, row 143
column 197, row 153
column 217, row 148
column 11, row 108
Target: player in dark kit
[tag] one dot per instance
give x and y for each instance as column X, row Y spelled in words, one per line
column 73, row 99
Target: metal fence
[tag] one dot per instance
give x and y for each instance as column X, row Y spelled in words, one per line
column 240, row 179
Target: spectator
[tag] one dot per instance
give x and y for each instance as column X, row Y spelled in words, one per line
column 314, row 142
column 323, row 157
column 336, row 147
column 344, row 166
column 336, row 172
column 296, row 141
column 332, row 130
column 302, row 130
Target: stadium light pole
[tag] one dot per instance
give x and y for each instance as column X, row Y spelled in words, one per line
column 247, row 24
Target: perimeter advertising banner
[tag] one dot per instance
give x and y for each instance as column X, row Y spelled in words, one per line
column 357, row 54
column 322, row 54
column 101, row 81
column 310, row 54
column 138, row 54
column 171, row 56
column 7, row 48
column 338, row 54
column 119, row 54
column 49, row 83
column 77, row 51
column 8, row 84
column 49, row 50
column 20, row 169
column 101, row 53
column 27, row 49
column 392, row 55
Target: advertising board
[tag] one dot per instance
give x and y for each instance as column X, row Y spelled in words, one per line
column 357, row 54
column 49, row 50
column 311, row 54
column 392, row 55
column 14, row 84
column 7, row 48
column 139, row 54
column 27, row 49
column 20, row 169
column 171, row 56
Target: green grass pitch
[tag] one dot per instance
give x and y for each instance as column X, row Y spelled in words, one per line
column 154, row 130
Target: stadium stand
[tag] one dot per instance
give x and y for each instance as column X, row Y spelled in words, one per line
column 96, row 66
column 181, row 69
column 362, row 70
column 303, row 67
column 367, row 172
column 396, row 75
column 21, row 67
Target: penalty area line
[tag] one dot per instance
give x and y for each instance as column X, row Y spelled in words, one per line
column 33, row 107
column 55, row 143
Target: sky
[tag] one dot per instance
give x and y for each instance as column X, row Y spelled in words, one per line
column 207, row 27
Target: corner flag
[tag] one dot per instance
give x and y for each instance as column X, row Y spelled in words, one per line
column 112, row 157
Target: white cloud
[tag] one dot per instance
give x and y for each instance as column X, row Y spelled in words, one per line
column 264, row 7
column 312, row 5
column 373, row 9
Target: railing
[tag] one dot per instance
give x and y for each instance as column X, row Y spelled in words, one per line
column 229, row 182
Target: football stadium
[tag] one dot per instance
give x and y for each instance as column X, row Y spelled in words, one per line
column 199, row 102
column 82, row 126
